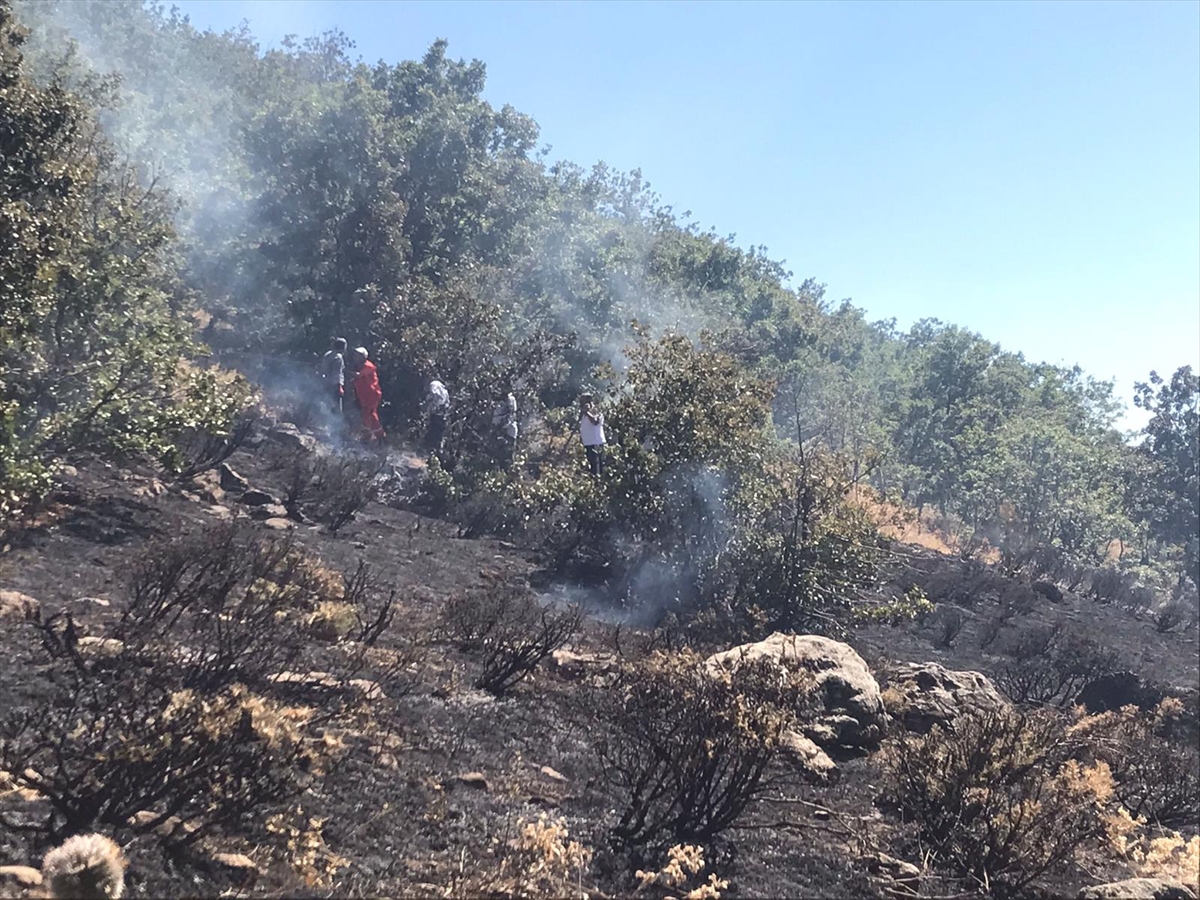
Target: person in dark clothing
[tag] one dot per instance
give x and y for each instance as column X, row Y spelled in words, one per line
column 333, row 374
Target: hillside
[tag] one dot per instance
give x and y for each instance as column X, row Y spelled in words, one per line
column 310, row 587
column 434, row 772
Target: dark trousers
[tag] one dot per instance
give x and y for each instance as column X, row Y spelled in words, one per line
column 437, row 430
column 595, row 458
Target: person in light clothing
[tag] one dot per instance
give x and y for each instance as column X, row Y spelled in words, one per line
column 504, row 420
column 591, row 434
column 437, row 403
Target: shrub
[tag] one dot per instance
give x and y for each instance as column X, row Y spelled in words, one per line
column 331, row 621
column 687, row 749
column 684, row 864
column 1050, row 667
column 540, row 861
column 331, row 489
column 511, row 632
column 1156, row 778
column 1109, row 585
column 990, row 630
column 85, row 866
column 914, row 606
column 947, row 623
column 200, row 449
column 120, row 740
column 997, row 797
column 184, row 717
column 222, row 605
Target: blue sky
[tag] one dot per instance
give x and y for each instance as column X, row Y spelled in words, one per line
column 1028, row 170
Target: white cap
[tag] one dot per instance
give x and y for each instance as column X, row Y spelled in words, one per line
column 361, row 351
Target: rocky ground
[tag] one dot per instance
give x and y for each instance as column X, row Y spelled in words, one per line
column 437, row 776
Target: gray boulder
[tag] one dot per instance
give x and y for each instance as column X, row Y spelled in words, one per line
column 921, row 695
column 853, row 713
column 1137, row 889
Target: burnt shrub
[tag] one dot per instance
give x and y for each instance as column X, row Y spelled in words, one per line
column 510, row 632
column 1157, row 769
column 1108, row 585
column 1049, row 666
column 199, row 449
column 187, row 712
column 222, row 605
column 946, row 624
column 997, row 797
column 117, row 740
column 963, row 582
column 333, row 490
column 686, row 750
column 992, row 627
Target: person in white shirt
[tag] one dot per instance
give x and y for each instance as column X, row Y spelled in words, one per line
column 504, row 419
column 438, row 404
column 591, row 434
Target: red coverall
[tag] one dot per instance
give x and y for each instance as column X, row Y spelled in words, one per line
column 368, row 394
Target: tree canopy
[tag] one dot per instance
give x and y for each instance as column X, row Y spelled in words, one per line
column 298, row 192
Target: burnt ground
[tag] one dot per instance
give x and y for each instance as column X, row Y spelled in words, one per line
column 394, row 811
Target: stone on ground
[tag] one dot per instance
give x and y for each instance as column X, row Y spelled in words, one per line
column 921, row 695
column 853, row 709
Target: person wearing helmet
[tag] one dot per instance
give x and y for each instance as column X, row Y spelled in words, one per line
column 368, row 394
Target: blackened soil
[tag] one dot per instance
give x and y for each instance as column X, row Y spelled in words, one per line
column 396, row 818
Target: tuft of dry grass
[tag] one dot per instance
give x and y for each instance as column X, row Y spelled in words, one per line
column 85, row 867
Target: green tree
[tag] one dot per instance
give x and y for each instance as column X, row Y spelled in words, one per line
column 92, row 341
column 1170, row 501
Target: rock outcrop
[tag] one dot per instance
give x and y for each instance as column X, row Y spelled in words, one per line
column 853, row 713
column 921, row 695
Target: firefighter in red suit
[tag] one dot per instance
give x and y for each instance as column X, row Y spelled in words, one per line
column 367, row 394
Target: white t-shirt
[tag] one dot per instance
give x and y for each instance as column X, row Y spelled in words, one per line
column 333, row 368
column 591, row 433
column 439, row 397
column 505, row 416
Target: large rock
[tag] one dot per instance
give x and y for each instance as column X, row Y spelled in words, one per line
column 921, row 695
column 15, row 605
column 853, row 709
column 231, row 480
column 1137, row 889
column 807, row 759
column 290, row 436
